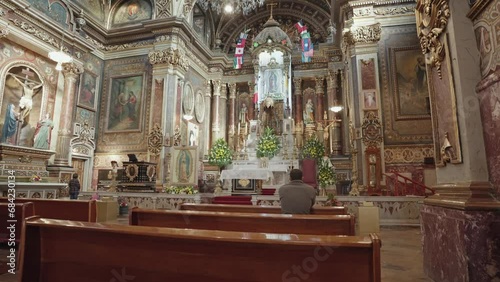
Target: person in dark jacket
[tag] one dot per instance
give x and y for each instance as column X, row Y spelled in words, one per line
column 296, row 197
column 74, row 187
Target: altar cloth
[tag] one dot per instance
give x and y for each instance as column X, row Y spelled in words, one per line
column 254, row 173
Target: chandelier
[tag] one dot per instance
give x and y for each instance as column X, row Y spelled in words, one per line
column 230, row 6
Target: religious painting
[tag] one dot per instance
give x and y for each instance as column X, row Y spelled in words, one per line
column 409, row 77
column 184, row 166
column 85, row 116
column 132, row 11
column 369, row 100
column 192, row 134
column 125, row 103
column 88, row 91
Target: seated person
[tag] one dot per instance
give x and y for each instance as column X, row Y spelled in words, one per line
column 296, row 197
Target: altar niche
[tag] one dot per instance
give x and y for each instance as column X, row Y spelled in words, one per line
column 22, row 104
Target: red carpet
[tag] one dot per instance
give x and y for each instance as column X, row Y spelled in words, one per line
column 233, row 200
column 268, row 191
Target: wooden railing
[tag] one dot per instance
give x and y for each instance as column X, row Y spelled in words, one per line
column 399, row 185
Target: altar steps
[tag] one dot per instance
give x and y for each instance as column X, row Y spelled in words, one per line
column 268, row 191
column 233, row 200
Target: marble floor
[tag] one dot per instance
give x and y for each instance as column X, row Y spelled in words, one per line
column 401, row 255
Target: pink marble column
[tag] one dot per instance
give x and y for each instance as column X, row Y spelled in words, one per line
column 206, row 120
column 319, row 97
column 215, row 110
column 297, row 83
column 71, row 73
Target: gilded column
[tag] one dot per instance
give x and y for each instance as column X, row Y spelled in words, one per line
column 335, row 131
column 63, row 151
column 251, row 110
column 206, row 119
column 232, row 112
column 215, row 110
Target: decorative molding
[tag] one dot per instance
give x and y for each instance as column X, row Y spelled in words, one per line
column 363, row 12
column 40, row 34
column 155, row 140
column 162, row 9
column 366, row 34
column 393, row 11
column 478, row 8
column 371, row 129
column 432, row 19
column 170, row 56
column 407, row 154
column 71, row 70
column 25, row 159
column 4, row 32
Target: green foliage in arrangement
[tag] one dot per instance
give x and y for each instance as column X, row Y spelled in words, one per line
column 326, row 174
column 313, row 149
column 268, row 144
column 220, row 154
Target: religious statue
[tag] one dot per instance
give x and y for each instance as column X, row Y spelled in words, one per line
column 309, row 112
column 112, row 175
column 243, row 113
column 10, row 125
column 177, row 136
column 26, row 102
column 43, row 133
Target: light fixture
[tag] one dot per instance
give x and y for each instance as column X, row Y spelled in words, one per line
column 336, row 107
column 246, row 6
column 187, row 117
column 60, row 57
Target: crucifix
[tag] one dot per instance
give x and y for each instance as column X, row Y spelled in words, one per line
column 271, row 7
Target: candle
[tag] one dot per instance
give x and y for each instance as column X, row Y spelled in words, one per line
column 238, row 128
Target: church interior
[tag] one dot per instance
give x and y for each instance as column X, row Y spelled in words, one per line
column 391, row 109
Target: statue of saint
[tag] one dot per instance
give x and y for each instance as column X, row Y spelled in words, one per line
column 26, row 102
column 309, row 112
column 43, row 133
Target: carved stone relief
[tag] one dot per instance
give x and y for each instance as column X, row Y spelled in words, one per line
column 432, row 19
column 155, row 140
column 162, row 9
column 169, row 56
column 372, row 129
column 366, row 34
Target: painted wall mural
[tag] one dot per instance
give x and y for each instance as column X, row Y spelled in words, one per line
column 125, row 103
column 53, row 9
column 95, row 8
column 132, row 11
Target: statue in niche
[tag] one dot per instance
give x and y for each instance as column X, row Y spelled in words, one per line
column 243, row 113
column 309, row 112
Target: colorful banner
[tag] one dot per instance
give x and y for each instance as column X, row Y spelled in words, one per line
column 307, row 45
column 240, row 49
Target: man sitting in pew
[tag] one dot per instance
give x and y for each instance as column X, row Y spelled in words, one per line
column 296, row 197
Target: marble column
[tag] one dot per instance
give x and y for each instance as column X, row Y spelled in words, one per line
column 206, row 120
column 71, row 73
column 461, row 222
column 223, row 118
column 232, row 112
column 297, row 83
column 251, row 110
column 216, row 110
column 320, row 92
column 335, row 142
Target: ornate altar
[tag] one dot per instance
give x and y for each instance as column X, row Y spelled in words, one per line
column 138, row 176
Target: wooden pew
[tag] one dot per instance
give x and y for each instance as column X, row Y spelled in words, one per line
column 258, row 209
column 61, row 250
column 80, row 210
column 251, row 222
column 21, row 211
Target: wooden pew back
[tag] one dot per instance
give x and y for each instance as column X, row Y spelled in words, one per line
column 252, row 222
column 20, row 212
column 258, row 209
column 80, row 210
column 54, row 250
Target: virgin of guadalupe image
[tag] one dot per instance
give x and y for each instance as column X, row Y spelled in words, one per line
column 184, row 166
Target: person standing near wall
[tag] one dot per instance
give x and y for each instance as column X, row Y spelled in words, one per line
column 74, row 187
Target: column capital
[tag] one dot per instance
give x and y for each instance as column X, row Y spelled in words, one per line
column 217, row 85
column 232, row 90
column 208, row 88
column 170, row 57
column 319, row 84
column 71, row 70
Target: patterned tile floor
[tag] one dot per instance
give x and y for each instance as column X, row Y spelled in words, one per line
column 401, row 255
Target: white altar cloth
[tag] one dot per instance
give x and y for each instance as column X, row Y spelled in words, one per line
column 254, row 173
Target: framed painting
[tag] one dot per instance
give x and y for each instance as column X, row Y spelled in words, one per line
column 184, row 166
column 192, row 134
column 369, row 99
column 87, row 97
column 409, row 79
column 125, row 103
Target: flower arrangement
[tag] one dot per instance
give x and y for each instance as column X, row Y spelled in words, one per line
column 36, row 178
column 268, row 144
column 331, row 201
column 220, row 154
column 326, row 174
column 313, row 149
column 188, row 190
column 122, row 202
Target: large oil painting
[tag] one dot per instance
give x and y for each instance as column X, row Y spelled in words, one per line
column 125, row 103
column 410, row 83
column 184, row 166
column 88, row 91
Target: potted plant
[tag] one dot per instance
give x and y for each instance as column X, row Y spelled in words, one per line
column 220, row 155
column 326, row 175
column 268, row 145
column 122, row 206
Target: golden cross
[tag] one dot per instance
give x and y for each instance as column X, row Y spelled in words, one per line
column 271, row 6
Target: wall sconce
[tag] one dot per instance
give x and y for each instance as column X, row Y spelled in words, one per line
column 336, row 107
